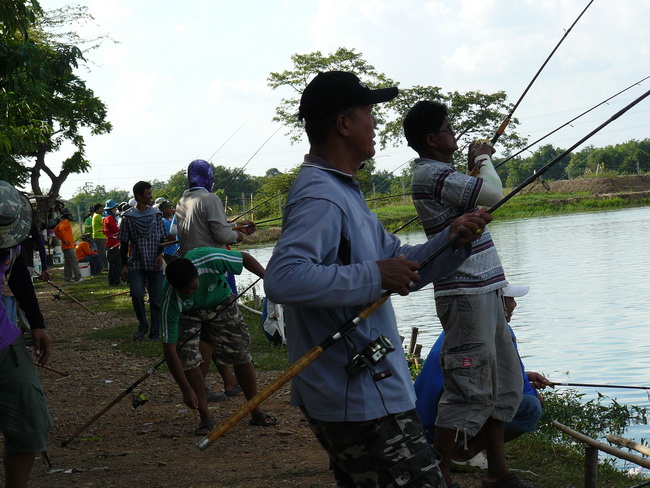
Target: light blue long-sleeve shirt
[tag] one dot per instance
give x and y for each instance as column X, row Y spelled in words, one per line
column 324, row 270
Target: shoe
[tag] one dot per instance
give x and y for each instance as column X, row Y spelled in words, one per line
column 80, row 280
column 211, row 396
column 478, row 461
column 510, row 481
column 154, row 339
column 138, row 337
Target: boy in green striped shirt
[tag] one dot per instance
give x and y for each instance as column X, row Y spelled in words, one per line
column 198, row 312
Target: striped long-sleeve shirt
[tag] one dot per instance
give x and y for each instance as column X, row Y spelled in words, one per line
column 441, row 194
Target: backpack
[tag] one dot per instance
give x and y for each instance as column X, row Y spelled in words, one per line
column 273, row 322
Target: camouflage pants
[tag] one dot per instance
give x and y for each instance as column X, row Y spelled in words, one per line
column 223, row 327
column 388, row 452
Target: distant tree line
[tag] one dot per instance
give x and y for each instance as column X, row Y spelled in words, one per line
column 241, row 191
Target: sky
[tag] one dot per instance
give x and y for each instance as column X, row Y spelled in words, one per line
column 186, row 80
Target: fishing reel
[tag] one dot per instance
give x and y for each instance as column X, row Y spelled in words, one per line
column 374, row 353
column 138, row 400
column 56, row 295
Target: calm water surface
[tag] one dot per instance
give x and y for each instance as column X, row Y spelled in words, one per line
column 586, row 318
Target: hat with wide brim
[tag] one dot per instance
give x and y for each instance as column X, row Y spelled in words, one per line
column 515, row 291
column 15, row 216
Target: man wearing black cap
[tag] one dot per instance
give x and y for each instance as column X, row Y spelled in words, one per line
column 334, row 257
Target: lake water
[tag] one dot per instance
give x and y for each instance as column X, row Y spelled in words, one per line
column 586, row 318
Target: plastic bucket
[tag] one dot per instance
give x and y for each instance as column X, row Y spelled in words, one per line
column 85, row 269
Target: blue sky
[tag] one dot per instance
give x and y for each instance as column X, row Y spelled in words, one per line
column 185, row 77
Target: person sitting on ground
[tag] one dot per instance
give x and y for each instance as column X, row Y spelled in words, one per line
column 63, row 232
column 86, row 255
column 196, row 303
column 429, row 387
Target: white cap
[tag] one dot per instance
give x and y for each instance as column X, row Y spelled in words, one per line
column 515, row 291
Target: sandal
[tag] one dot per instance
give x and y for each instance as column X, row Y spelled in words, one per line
column 235, row 390
column 204, row 428
column 263, row 419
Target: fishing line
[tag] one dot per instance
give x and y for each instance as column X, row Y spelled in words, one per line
column 569, row 123
column 249, row 160
column 506, row 120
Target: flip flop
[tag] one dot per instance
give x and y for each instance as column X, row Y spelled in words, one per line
column 204, row 428
column 263, row 419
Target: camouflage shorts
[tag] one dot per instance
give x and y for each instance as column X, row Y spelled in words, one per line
column 387, row 452
column 224, row 328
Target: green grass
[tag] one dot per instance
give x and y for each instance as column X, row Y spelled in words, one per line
column 522, row 206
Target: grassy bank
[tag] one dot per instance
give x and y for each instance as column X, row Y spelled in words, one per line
column 545, row 459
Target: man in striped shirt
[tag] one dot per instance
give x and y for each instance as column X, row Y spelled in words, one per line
column 197, row 303
column 482, row 376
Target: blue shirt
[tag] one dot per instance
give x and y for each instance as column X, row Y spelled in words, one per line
column 324, row 270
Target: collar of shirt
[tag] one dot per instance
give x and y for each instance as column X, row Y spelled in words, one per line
column 320, row 163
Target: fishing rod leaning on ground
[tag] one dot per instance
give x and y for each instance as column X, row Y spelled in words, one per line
column 508, row 117
column 64, row 292
column 366, row 311
column 146, row 375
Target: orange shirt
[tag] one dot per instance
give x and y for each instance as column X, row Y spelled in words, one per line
column 83, row 249
column 63, row 232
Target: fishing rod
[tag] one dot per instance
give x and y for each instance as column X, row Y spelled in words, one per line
column 146, row 375
column 506, row 120
column 258, row 223
column 64, row 292
column 259, row 205
column 225, row 142
column 568, row 123
column 249, row 160
column 591, row 385
column 49, row 368
column 366, row 311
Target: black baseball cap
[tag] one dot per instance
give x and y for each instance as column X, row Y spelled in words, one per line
column 333, row 91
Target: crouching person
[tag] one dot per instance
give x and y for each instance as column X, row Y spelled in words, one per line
column 198, row 304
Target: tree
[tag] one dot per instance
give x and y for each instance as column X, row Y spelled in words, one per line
column 305, row 67
column 45, row 102
column 473, row 114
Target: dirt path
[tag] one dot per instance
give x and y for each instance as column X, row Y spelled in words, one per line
column 153, row 446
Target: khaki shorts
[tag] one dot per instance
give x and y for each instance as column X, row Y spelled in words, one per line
column 481, row 369
column 24, row 418
column 223, row 328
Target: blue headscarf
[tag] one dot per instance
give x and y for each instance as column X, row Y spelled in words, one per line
column 200, row 174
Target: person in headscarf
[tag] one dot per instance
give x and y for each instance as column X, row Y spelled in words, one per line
column 201, row 222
